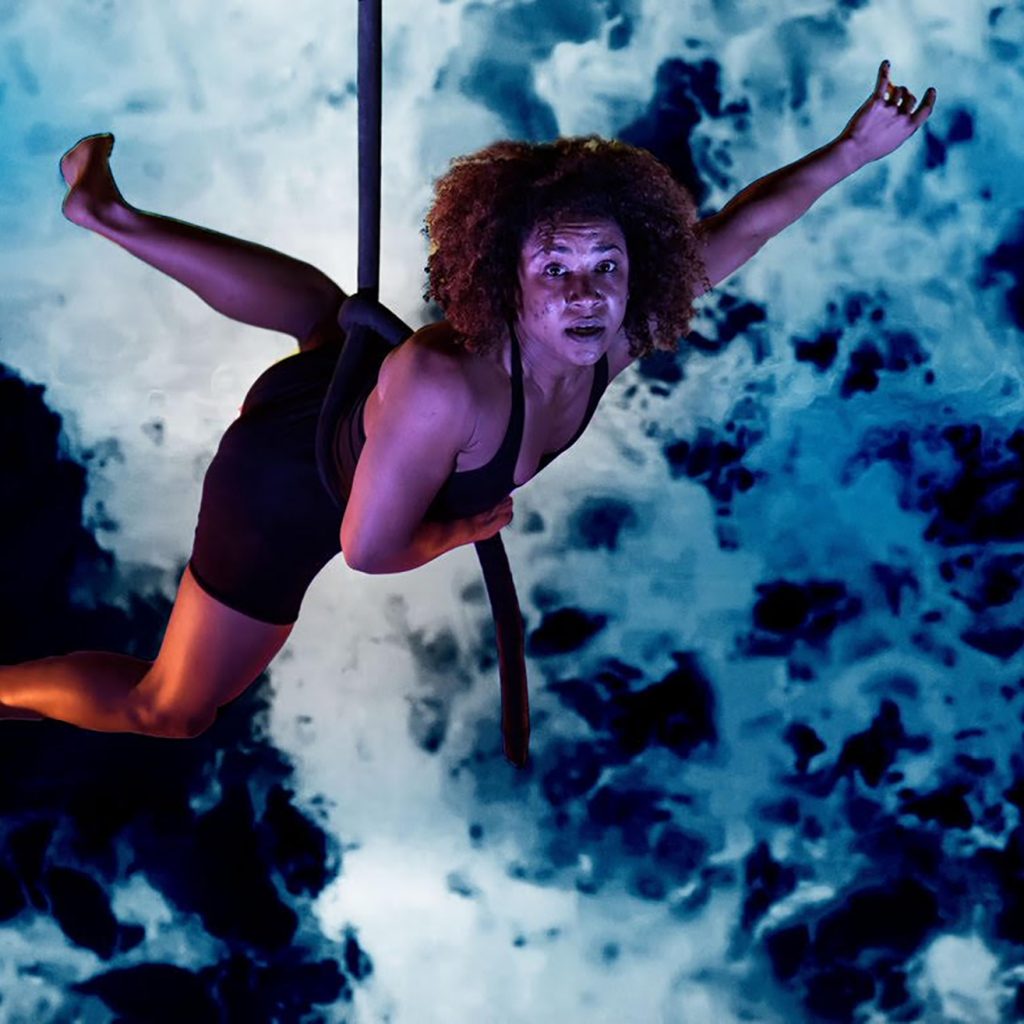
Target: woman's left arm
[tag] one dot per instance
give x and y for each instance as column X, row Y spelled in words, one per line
column 883, row 123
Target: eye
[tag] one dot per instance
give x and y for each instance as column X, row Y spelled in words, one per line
column 607, row 266
column 553, row 270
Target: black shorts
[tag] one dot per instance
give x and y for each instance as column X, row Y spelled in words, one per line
column 267, row 525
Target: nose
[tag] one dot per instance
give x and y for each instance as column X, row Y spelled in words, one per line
column 583, row 289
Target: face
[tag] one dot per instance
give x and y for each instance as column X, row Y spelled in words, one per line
column 574, row 285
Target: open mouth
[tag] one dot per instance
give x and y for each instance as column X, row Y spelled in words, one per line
column 584, row 330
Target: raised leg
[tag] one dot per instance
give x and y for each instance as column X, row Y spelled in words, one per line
column 242, row 280
column 210, row 653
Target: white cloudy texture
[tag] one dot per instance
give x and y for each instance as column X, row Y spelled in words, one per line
column 241, row 117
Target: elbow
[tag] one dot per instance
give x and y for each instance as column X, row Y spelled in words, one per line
column 360, row 560
column 355, row 554
column 357, row 564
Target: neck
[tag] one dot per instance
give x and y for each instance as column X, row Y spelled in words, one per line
column 551, row 374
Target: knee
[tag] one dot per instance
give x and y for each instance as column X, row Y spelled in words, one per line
column 173, row 723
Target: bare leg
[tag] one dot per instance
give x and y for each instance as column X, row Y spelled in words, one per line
column 89, row 688
column 242, row 280
column 209, row 654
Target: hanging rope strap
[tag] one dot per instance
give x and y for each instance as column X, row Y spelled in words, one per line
column 368, row 79
column 372, row 329
column 508, row 628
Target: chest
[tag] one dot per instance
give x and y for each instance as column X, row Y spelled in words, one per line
column 549, row 423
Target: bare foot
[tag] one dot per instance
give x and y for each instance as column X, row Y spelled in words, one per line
column 92, row 194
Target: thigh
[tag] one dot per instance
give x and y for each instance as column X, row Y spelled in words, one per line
column 209, row 654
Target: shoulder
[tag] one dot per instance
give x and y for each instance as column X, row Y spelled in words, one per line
column 425, row 361
column 430, row 377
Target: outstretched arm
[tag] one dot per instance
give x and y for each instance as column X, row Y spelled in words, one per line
column 883, row 123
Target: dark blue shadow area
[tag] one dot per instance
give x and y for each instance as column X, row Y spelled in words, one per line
column 210, row 824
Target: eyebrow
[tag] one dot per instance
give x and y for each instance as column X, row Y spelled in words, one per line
column 545, row 250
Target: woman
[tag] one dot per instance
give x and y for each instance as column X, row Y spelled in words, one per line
column 556, row 266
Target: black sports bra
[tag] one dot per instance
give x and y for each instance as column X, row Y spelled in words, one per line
column 471, row 491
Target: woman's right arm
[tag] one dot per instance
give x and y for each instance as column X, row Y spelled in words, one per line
column 426, row 416
column 432, row 539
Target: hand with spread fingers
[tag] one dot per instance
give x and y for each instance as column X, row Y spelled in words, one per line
column 887, row 118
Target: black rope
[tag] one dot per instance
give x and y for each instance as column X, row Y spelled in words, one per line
column 368, row 80
column 369, row 326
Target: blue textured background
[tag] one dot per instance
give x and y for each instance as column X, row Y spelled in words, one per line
column 773, row 597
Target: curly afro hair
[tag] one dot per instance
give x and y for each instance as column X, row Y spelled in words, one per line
column 488, row 202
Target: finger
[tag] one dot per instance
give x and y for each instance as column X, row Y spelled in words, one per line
column 896, row 96
column 909, row 99
column 883, row 80
column 923, row 112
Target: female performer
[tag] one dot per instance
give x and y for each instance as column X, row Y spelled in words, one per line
column 556, row 265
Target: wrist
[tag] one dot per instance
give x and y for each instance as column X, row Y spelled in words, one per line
column 441, row 536
column 848, row 154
